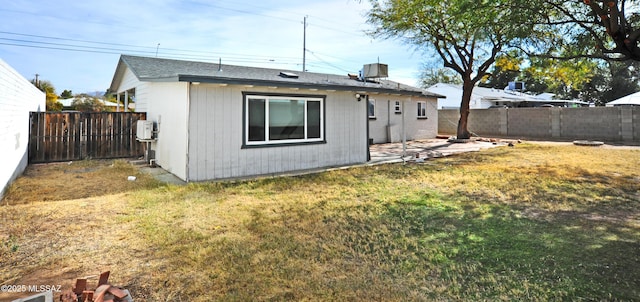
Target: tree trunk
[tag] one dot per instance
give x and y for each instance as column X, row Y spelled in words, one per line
column 467, row 89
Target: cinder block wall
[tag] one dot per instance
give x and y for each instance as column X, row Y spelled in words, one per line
column 586, row 123
column 489, row 121
column 602, row 123
column 448, row 121
column 635, row 123
column 533, row 122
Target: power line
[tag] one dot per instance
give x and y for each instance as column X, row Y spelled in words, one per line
column 314, row 17
column 137, row 48
column 327, row 63
column 148, row 50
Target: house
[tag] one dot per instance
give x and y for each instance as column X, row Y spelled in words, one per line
column 483, row 98
column 214, row 121
column 18, row 97
column 67, row 104
column 629, row 100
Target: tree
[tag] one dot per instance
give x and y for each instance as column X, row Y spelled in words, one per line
column 430, row 77
column 86, row 103
column 66, row 94
column 622, row 79
column 591, row 80
column 466, row 34
column 52, row 103
column 604, row 29
column 623, row 30
column 505, row 70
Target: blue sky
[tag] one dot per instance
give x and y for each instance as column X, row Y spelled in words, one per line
column 76, row 44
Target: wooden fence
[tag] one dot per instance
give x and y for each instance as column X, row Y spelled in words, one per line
column 63, row 136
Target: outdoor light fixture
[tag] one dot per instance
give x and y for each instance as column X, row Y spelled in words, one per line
column 358, row 96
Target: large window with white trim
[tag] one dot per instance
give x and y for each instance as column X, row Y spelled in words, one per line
column 275, row 119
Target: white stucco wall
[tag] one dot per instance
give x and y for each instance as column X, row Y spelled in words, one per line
column 166, row 104
column 216, row 135
column 387, row 125
column 17, row 98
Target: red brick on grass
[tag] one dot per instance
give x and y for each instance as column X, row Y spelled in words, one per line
column 104, row 278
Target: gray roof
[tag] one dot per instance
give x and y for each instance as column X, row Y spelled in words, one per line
column 158, row 69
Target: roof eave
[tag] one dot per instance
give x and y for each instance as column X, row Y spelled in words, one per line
column 307, row 85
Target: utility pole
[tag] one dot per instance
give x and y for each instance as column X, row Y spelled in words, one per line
column 157, row 48
column 304, row 45
column 37, row 84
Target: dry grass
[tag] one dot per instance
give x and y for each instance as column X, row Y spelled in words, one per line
column 526, row 223
column 75, row 180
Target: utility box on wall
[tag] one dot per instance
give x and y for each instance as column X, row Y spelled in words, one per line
column 144, row 130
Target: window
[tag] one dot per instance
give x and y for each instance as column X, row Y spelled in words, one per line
column 283, row 119
column 372, row 108
column 422, row 109
column 397, row 108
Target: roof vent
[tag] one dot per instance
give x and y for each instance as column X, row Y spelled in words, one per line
column 289, row 75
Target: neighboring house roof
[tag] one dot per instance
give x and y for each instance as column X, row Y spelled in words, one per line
column 632, row 99
column 68, row 102
column 492, row 94
column 496, row 94
column 163, row 70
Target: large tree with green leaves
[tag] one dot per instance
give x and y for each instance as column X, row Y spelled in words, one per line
column 602, row 29
column 466, row 34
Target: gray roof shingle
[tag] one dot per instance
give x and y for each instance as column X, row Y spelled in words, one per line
column 159, row 69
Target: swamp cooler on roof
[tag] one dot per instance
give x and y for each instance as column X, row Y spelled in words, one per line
column 375, row 70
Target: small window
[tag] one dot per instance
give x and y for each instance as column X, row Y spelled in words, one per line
column 422, row 109
column 397, row 108
column 372, row 108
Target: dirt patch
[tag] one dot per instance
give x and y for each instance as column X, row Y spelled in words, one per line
column 74, row 180
column 81, row 231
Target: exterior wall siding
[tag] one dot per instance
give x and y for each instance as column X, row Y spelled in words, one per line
column 17, row 98
column 387, row 125
column 167, row 106
column 602, row 123
column 130, row 81
column 216, row 135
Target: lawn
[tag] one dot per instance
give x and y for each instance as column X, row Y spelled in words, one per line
column 533, row 222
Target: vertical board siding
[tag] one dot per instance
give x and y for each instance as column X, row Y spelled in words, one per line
column 62, row 136
column 216, row 134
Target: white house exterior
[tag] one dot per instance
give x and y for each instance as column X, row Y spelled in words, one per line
column 221, row 121
column 393, row 118
column 483, row 98
column 17, row 98
column 629, row 100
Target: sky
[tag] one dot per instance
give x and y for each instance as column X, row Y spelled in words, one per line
column 76, row 44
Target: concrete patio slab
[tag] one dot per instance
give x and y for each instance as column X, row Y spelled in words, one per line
column 431, row 148
column 163, row 175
